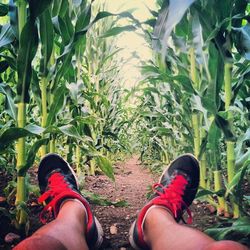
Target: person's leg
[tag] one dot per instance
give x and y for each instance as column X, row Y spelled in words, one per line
column 156, row 226
column 161, row 232
column 74, row 225
column 67, row 231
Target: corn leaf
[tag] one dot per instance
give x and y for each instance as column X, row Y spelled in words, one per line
column 27, row 51
column 12, row 134
column 102, row 201
column 6, row 35
column 238, row 230
column 117, row 30
column 9, row 103
column 47, row 39
column 4, row 9
column 105, row 165
column 56, row 105
column 32, row 155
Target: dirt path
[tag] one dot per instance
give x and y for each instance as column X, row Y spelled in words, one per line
column 131, row 185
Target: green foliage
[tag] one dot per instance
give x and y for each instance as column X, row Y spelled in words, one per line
column 102, row 201
column 238, row 230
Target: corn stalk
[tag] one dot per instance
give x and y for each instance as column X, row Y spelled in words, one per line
column 21, row 122
column 230, row 144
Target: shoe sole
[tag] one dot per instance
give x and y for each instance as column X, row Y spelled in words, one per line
column 131, row 238
column 100, row 234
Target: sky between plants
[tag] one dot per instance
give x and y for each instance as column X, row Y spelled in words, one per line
column 132, row 42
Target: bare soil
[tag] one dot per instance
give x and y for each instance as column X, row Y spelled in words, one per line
column 132, row 183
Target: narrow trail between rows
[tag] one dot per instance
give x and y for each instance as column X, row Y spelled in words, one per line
column 131, row 184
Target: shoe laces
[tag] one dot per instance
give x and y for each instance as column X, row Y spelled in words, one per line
column 172, row 196
column 57, row 186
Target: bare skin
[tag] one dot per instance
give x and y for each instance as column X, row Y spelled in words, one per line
column 65, row 232
column 160, row 229
column 163, row 233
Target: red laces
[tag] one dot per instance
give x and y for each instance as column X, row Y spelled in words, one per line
column 171, row 196
column 57, row 186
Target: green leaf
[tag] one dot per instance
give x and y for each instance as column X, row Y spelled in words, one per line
column 71, row 131
column 13, row 17
column 34, row 129
column 27, row 51
column 203, row 192
column 37, row 7
column 161, row 131
column 214, row 136
column 105, row 165
column 238, row 179
column 47, row 39
column 197, row 105
column 63, row 28
column 11, row 61
column 9, row 103
column 84, row 19
column 102, row 14
column 3, row 66
column 102, row 201
column 12, row 134
column 4, row 9
column 169, row 16
column 117, row 30
column 243, row 40
column 224, row 125
column 211, row 98
column 6, row 35
column 32, row 155
column 239, row 230
column 85, row 120
column 56, row 105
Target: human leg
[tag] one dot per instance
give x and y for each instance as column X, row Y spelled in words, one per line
column 156, row 226
column 161, row 232
column 65, row 232
column 74, row 226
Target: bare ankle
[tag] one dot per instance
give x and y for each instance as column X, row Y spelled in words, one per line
column 153, row 219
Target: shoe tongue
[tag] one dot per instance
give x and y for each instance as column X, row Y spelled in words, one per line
column 169, row 178
column 57, row 170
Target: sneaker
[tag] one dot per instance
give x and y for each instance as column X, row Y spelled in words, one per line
column 57, row 182
column 175, row 191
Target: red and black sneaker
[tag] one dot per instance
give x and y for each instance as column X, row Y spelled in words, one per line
column 57, row 182
column 175, row 191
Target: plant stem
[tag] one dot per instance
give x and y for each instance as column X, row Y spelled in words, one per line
column 44, row 85
column 92, row 167
column 230, row 144
column 195, row 116
column 195, row 123
column 21, row 189
column 52, row 145
column 21, row 122
column 203, row 171
column 193, row 70
column 78, row 160
column 217, row 187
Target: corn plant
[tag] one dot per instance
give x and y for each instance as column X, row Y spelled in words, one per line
column 199, row 60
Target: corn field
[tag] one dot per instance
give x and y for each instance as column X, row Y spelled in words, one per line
column 61, row 90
